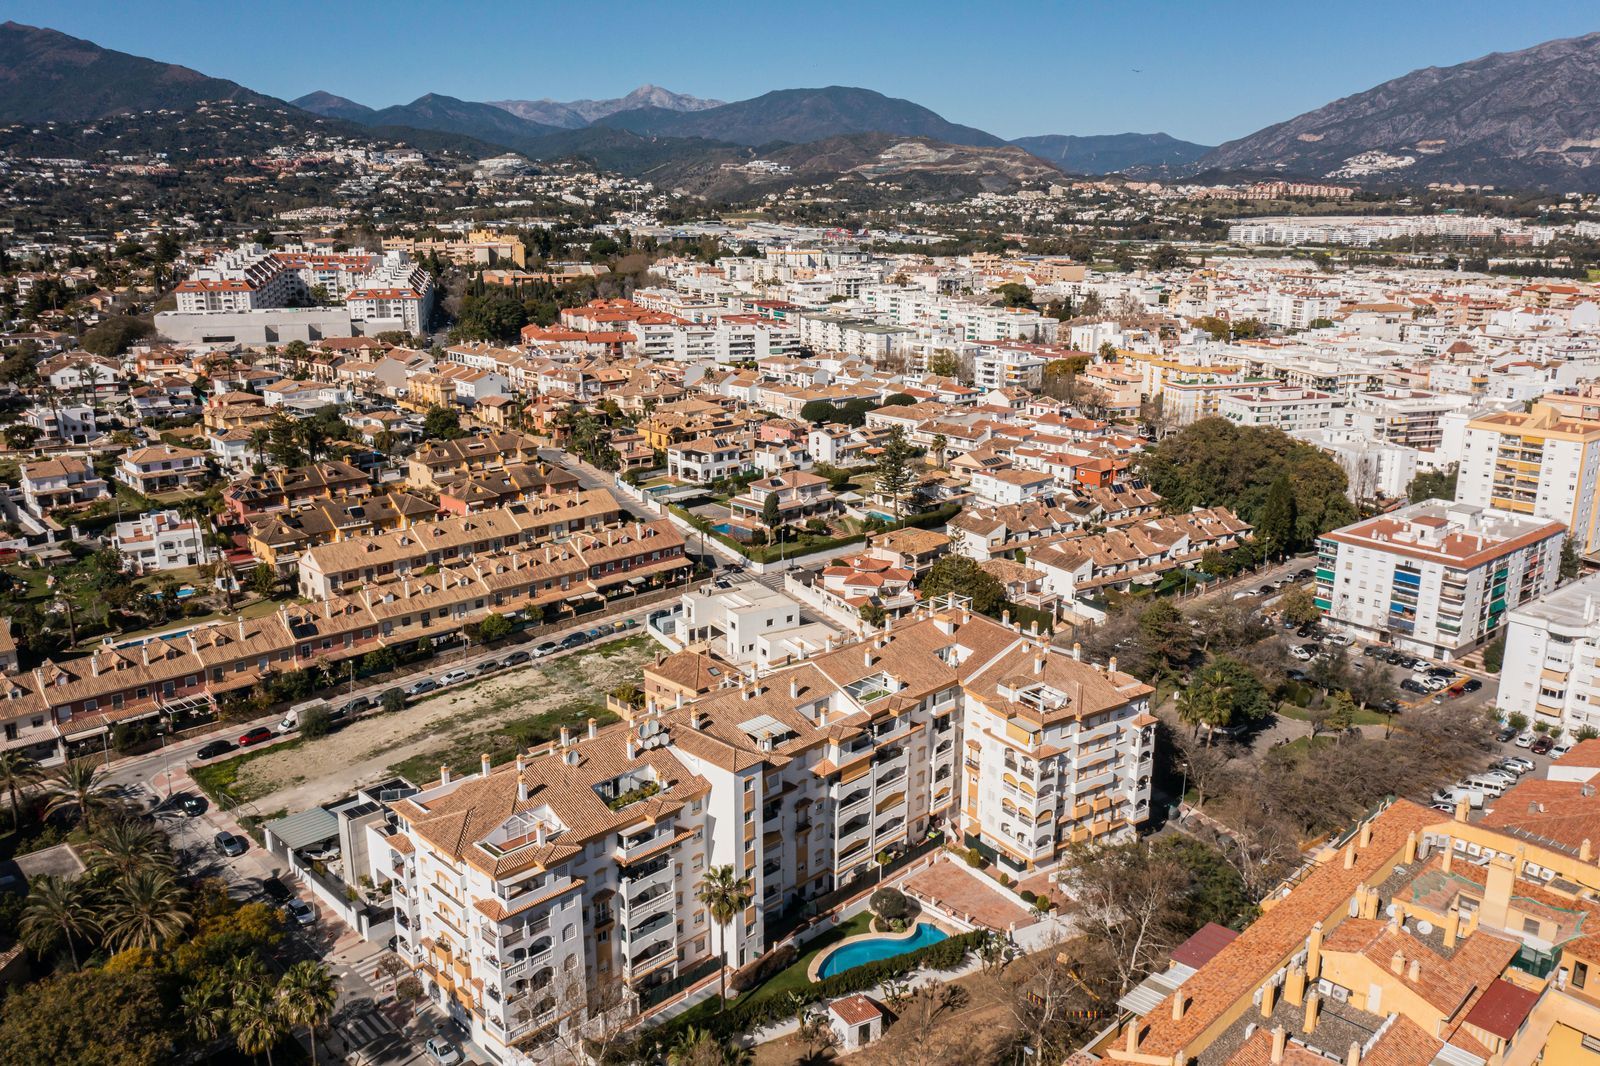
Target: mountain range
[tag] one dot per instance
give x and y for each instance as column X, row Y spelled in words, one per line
column 576, row 114
column 1525, row 118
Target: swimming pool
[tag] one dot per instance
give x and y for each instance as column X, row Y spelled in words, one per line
column 856, row 952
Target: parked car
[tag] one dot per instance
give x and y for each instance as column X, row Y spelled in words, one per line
column 1372, row 651
column 276, row 890
column 1524, row 740
column 1265, row 590
column 192, row 805
column 1390, row 707
column 1561, row 747
column 1521, row 763
column 454, row 677
column 573, row 641
column 518, row 657
column 357, row 705
column 1506, row 734
column 1411, row 684
column 1304, row 574
column 213, row 749
column 1471, row 684
column 230, row 844
column 547, row 647
column 1298, row 674
column 300, row 912
column 442, row 1051
column 418, row 688
column 1543, row 745
column 260, row 734
column 1433, row 684
column 1440, row 671
column 488, row 666
column 1341, row 640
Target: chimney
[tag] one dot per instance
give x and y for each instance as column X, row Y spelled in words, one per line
column 1111, row 665
column 1461, row 809
column 1269, row 998
column 1585, row 851
column 538, row 833
column 633, row 749
column 1414, row 971
column 1314, row 953
column 1005, row 617
column 866, row 657
column 1294, row 986
column 483, row 762
column 594, row 728
column 1397, row 964
column 1038, row 662
column 1279, row 1039
column 1449, row 855
column 794, row 689
column 1077, row 651
column 1354, row 1058
column 1452, row 926
column 1411, row 848
column 1177, row 1005
column 1366, row 834
column 1349, row 856
column 522, row 785
column 1313, row 1011
column 566, row 736
column 444, row 774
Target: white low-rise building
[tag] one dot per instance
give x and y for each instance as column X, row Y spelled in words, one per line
column 162, row 540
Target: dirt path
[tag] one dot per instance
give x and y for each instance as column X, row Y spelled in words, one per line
column 451, row 727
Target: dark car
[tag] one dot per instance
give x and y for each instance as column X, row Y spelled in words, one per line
column 276, row 890
column 213, row 749
column 517, row 658
column 1304, row 574
column 192, row 805
column 260, row 734
column 1413, row 685
column 573, row 641
column 230, row 844
column 1298, row 675
column 1471, row 684
column 357, row 705
column 1440, row 671
column 1505, row 735
column 1390, row 707
column 1372, row 651
column 1543, row 745
column 488, row 666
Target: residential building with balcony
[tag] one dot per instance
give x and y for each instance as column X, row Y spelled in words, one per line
column 62, row 482
column 1539, row 463
column 1435, row 578
column 1551, row 669
column 162, row 468
column 161, row 540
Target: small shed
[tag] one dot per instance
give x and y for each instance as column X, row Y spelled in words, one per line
column 856, row 1021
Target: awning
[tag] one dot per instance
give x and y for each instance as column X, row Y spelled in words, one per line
column 302, row 830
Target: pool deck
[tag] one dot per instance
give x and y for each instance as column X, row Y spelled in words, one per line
column 813, row 971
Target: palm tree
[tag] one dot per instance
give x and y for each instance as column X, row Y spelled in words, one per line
column 57, row 909
column 17, row 772
column 724, row 894
column 205, row 1007
column 75, row 789
column 258, row 440
column 147, row 909
column 125, row 846
column 697, row 1047
column 256, row 1019
column 307, row 993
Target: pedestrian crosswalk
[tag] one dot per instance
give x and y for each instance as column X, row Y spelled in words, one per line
column 367, row 1027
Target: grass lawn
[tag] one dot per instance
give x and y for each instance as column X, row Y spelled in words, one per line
column 1361, row 717
column 463, row 756
column 790, row 979
column 1299, row 749
column 217, row 779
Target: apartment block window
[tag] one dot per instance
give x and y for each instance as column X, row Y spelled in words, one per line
column 1580, row 974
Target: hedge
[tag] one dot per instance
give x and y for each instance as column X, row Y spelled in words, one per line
column 748, row 1013
column 928, row 519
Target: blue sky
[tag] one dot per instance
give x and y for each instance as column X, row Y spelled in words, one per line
column 1208, row 70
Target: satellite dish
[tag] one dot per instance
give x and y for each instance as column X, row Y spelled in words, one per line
column 1389, row 910
column 1424, row 927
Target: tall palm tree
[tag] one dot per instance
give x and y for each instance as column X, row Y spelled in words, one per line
column 57, row 909
column 75, row 788
column 256, row 1019
column 724, row 894
column 17, row 772
column 258, row 440
column 307, row 993
column 125, row 846
column 147, row 909
column 205, row 1007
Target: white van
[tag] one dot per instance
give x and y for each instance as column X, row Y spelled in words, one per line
column 1455, row 793
column 291, row 718
column 1492, row 786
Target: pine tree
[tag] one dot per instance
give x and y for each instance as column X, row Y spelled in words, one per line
column 894, row 468
column 1278, row 516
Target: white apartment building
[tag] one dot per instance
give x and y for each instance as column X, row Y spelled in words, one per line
column 1373, row 468
column 162, row 540
column 1539, row 463
column 1287, row 409
column 526, row 894
column 1000, row 366
column 860, row 337
column 736, row 624
column 1435, row 578
column 1551, row 671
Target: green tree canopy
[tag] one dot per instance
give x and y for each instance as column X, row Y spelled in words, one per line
column 91, row 1016
column 1276, row 526
column 1433, row 485
column 963, row 576
column 491, row 316
column 1164, row 634
column 442, row 423
column 115, row 335
column 1215, row 463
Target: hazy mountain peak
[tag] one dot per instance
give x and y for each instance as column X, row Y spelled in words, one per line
column 575, row 114
column 329, row 105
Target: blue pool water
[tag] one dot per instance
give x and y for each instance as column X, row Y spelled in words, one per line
column 721, row 527
column 879, row 947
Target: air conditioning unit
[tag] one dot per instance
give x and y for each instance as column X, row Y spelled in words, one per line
column 1341, row 994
